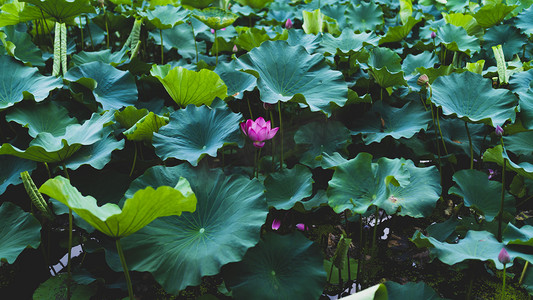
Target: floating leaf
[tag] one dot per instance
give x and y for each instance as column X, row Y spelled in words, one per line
column 280, row 265
column 142, row 208
column 19, row 230
column 190, row 87
column 194, row 132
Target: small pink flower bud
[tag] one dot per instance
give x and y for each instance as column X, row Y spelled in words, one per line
column 504, row 257
column 433, row 35
column 288, row 24
column 423, row 80
column 235, row 49
column 212, row 30
column 276, row 224
column 498, row 131
column 301, row 227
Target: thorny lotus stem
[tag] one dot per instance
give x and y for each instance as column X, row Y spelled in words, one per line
column 69, row 254
column 500, row 214
column 125, row 268
column 281, row 137
column 162, row 49
column 523, row 273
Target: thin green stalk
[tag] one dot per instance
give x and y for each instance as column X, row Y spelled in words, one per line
column 125, row 268
column 216, row 48
column 69, row 254
column 471, row 148
column 47, row 28
column 330, row 273
column 134, row 159
column 503, row 285
column 281, row 137
column 348, row 252
column 376, row 217
column 162, row 52
column 106, row 28
column 523, row 273
column 47, row 170
column 195, row 44
column 89, row 31
column 436, row 140
column 440, row 132
column 249, row 108
column 81, row 32
column 500, row 217
column 359, row 260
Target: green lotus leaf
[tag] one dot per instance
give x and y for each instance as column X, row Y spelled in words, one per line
column 191, row 4
column 316, row 22
column 142, row 208
column 251, row 38
column 321, row 138
column 480, row 193
column 23, row 83
column 411, row 62
column 105, row 56
column 190, row 87
column 376, row 292
column 179, row 37
column 42, row 117
column 498, row 155
column 471, row 97
column 383, row 120
column 143, row 130
column 520, row 143
column 398, row 33
column 11, row 169
column 456, row 5
column 255, row 4
column 477, row 245
column 56, row 288
column 521, row 82
column 416, row 291
column 96, row 155
column 215, row 18
column 366, row 16
column 490, row 15
column 318, row 200
column 61, row 10
column 281, row 11
column 456, row 39
column 165, row 16
column 49, row 148
column 13, row 13
column 385, row 67
column 281, row 265
column 297, row 37
column 286, row 73
column 467, row 21
column 518, row 236
column 194, row 132
column 21, row 47
column 19, row 230
column 285, row 188
column 347, row 43
column 523, row 21
column 526, row 109
column 455, row 136
column 334, row 278
column 510, row 39
column 179, row 251
column 237, row 82
column 111, row 87
column 329, row 161
column 129, row 116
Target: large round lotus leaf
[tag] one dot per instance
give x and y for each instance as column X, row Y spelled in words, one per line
column 256, row 4
column 524, row 21
column 281, row 265
column 466, row 21
column 111, row 87
column 237, row 82
column 142, row 208
column 105, row 56
column 425, row 59
column 46, row 117
column 480, row 193
column 215, row 18
column 129, row 116
column 398, row 33
column 319, row 138
column 143, row 130
column 526, row 109
column 366, row 16
column 181, row 38
column 416, row 291
column 60, row 10
column 456, row 39
column 285, row 188
column 492, row 14
column 194, row 132
column 521, row 82
column 383, row 120
column 250, row 38
column 286, row 73
column 20, row 46
column 385, row 67
column 190, row 87
column 23, row 83
column 165, row 17
column 179, row 251
column 11, row 169
column 298, row 37
column 498, row 155
column 391, row 184
column 511, row 40
column 12, row 13
column 347, row 43
column 520, row 143
column 18, row 230
column 196, row 3
column 477, row 245
column 49, row 148
column 96, row 155
column 471, row 97
column 454, row 134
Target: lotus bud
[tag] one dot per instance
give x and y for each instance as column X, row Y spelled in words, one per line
column 498, row 131
column 301, row 227
column 288, row 24
column 423, row 80
column 276, row 224
column 212, row 30
column 267, row 106
column 433, row 35
column 504, row 257
column 235, row 49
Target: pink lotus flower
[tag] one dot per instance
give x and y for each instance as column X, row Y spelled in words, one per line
column 288, row 24
column 276, row 224
column 258, row 131
column 213, row 31
column 301, row 227
column 504, row 257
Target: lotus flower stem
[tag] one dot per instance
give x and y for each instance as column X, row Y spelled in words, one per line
column 503, row 283
column 376, row 218
column 440, row 132
column 500, row 214
column 195, row 44
column 81, row 32
column 249, row 108
column 106, row 28
column 125, row 268
column 48, row 29
column 162, row 48
column 437, row 140
column 69, row 254
column 89, row 31
column 359, row 260
column 281, row 137
column 523, row 273
column 216, row 48
column 471, row 148
column 47, row 170
column 134, row 159
column 273, row 140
